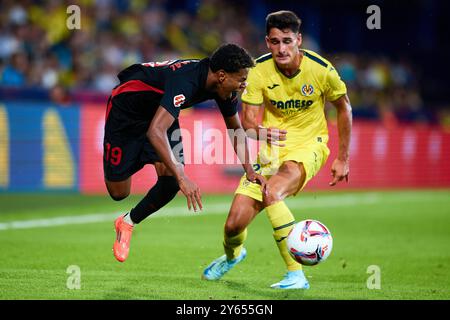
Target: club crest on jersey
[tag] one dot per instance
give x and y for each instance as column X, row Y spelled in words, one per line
column 178, row 100
column 307, row 90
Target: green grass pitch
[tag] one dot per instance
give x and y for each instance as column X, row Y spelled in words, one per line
column 406, row 234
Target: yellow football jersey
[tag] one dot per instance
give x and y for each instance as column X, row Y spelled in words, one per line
column 295, row 103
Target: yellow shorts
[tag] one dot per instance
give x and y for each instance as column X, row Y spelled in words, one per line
column 312, row 156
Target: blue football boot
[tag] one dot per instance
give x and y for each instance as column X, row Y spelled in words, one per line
column 292, row 280
column 221, row 265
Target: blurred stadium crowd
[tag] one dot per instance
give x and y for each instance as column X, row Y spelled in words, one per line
column 37, row 50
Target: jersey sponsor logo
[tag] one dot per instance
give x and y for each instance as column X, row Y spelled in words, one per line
column 307, row 90
column 178, row 100
column 273, row 86
column 292, row 104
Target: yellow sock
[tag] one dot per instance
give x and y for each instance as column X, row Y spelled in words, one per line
column 282, row 222
column 233, row 245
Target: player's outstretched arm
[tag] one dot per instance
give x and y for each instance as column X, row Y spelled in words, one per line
column 340, row 168
column 255, row 131
column 240, row 144
column 157, row 135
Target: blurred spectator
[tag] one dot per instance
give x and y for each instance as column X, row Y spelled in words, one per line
column 15, row 72
column 59, row 95
column 106, row 79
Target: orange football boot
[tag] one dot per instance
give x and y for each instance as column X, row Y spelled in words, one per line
column 121, row 246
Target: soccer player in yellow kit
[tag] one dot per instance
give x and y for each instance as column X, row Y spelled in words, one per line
column 292, row 84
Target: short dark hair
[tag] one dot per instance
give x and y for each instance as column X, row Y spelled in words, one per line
column 231, row 58
column 283, row 20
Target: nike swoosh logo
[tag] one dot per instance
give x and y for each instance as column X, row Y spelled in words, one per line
column 305, row 286
column 281, row 239
column 273, row 86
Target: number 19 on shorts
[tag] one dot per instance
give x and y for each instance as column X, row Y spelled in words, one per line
column 113, row 155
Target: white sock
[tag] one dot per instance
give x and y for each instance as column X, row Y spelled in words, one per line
column 127, row 219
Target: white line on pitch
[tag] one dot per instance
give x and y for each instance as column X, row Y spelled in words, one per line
column 217, row 208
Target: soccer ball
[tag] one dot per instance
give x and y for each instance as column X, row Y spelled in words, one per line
column 309, row 242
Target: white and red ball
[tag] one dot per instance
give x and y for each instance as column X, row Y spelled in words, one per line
column 309, row 242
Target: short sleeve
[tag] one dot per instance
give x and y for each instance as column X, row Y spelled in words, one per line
column 176, row 93
column 253, row 93
column 334, row 87
column 228, row 107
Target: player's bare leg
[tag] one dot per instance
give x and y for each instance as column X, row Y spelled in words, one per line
column 118, row 190
column 286, row 182
column 243, row 210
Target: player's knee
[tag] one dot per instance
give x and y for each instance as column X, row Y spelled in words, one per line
column 234, row 227
column 272, row 196
column 118, row 195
